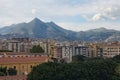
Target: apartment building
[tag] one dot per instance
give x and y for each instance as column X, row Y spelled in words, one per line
column 67, row 52
column 95, row 51
column 111, row 50
column 81, row 50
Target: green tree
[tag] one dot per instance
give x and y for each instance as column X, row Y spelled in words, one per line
column 2, row 74
column 3, row 71
column 5, row 51
column 100, row 69
column 55, row 60
column 94, row 69
column 78, row 58
column 37, row 49
column 12, row 71
column 116, row 58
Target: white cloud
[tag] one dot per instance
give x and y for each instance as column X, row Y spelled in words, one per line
column 90, row 25
column 69, row 26
column 110, row 13
column 54, row 10
column 33, row 11
column 97, row 17
column 9, row 22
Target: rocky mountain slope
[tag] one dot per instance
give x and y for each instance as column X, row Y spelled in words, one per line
column 39, row 29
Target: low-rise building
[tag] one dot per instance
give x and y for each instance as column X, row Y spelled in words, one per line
column 23, row 64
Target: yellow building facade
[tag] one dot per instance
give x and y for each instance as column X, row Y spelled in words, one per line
column 23, row 65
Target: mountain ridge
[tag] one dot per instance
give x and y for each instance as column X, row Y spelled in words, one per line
column 39, row 29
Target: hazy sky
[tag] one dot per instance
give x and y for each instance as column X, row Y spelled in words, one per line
column 75, row 15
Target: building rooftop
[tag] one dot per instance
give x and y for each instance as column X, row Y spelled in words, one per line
column 18, row 77
column 30, row 59
column 21, row 53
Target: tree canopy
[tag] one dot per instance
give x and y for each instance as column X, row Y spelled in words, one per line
column 3, row 71
column 36, row 49
column 12, row 71
column 116, row 58
column 78, row 58
column 89, row 69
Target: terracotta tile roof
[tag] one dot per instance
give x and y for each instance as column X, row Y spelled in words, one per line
column 10, row 53
column 18, row 77
column 38, row 59
column 21, row 53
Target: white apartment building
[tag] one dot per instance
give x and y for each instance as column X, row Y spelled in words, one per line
column 67, row 52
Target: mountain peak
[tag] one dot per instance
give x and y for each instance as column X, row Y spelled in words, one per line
column 52, row 22
column 37, row 20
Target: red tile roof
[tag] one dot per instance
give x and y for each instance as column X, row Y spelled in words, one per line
column 20, row 53
column 18, row 77
column 14, row 53
column 32, row 59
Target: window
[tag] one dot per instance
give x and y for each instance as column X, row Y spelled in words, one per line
column 23, row 67
column 31, row 66
column 14, row 67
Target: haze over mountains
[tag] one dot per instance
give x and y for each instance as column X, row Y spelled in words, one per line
column 39, row 29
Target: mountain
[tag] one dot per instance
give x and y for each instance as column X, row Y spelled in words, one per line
column 99, row 34
column 39, row 29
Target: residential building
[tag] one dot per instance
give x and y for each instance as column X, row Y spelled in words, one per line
column 67, row 52
column 111, row 50
column 95, row 51
column 81, row 50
